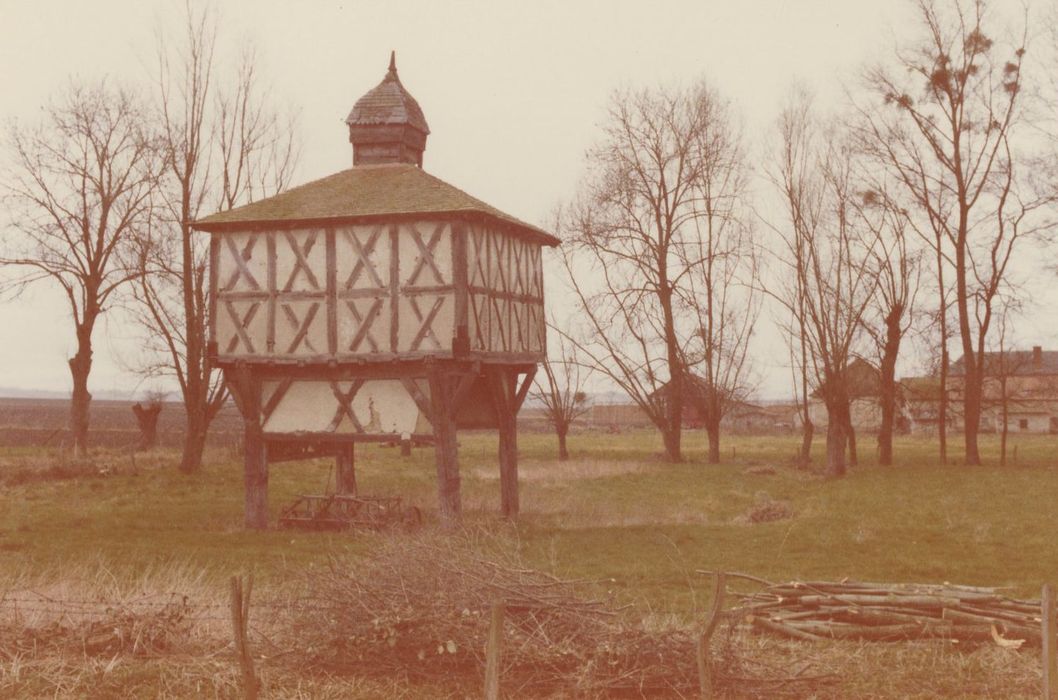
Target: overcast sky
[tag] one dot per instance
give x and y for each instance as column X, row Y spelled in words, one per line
column 513, row 92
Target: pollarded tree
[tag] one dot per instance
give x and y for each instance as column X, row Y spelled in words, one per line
column 561, row 392
column 824, row 275
column 637, row 226
column 80, row 188
column 947, row 121
column 897, row 262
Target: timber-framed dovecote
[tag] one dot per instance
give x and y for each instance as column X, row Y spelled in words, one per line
column 375, row 303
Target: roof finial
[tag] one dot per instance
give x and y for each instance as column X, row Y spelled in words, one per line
column 393, row 62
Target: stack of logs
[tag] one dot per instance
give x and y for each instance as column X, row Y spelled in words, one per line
column 890, row 612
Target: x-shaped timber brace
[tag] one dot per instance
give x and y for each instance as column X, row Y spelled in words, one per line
column 450, row 386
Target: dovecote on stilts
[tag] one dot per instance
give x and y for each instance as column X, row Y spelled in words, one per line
column 374, row 303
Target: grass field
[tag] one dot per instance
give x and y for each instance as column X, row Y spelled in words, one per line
column 615, row 511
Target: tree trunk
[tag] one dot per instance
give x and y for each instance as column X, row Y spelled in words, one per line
column 80, row 399
column 972, row 374
column 675, row 396
column 670, row 436
column 885, row 430
column 942, row 412
column 194, row 438
column 1003, row 434
column 807, row 432
column 563, row 453
column 712, row 430
column 972, row 415
column 147, row 420
column 850, row 440
column 836, row 443
column 888, row 385
column 845, row 416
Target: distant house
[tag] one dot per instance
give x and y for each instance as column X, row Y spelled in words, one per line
column 865, row 393
column 1024, row 381
column 922, row 405
column 617, row 415
column 739, row 415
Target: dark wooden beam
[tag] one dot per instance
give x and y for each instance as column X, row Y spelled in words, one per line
column 255, row 457
column 449, row 503
column 345, row 470
column 502, row 389
column 523, row 390
column 377, row 364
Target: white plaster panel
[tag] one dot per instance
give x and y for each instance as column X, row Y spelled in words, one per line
column 363, row 325
column 292, row 317
column 414, row 271
column 477, row 256
column 291, row 273
column 362, row 257
column 381, row 406
column 252, row 315
column 253, row 250
column 478, row 322
column 441, row 326
column 306, row 406
column 499, row 262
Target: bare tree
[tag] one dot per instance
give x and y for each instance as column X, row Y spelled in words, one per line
column 723, row 295
column 889, row 317
column 147, row 419
column 221, row 148
column 562, row 391
column 825, row 276
column 638, row 226
column 946, row 121
column 1002, row 367
column 79, row 189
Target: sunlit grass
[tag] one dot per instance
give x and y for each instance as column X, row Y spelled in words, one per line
column 615, row 511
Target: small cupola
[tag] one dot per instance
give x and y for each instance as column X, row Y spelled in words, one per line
column 387, row 124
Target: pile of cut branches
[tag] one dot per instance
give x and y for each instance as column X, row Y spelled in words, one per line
column 419, row 610
column 813, row 610
column 105, row 629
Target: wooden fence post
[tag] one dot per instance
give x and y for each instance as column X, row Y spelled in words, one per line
column 1050, row 659
column 705, row 663
column 240, row 615
column 494, row 653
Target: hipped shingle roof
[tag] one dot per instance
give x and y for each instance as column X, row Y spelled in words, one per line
column 366, row 192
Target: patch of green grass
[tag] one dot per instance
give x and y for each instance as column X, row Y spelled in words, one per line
column 615, row 511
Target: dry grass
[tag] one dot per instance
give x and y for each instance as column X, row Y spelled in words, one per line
column 535, row 471
column 190, row 655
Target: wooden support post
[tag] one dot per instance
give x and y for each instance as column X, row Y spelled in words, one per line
column 240, row 616
column 705, row 661
column 508, row 448
column 345, row 469
column 405, row 445
column 506, row 400
column 255, row 454
column 1050, row 654
column 446, row 449
column 494, row 653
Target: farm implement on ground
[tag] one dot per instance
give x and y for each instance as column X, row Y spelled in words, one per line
column 341, row 512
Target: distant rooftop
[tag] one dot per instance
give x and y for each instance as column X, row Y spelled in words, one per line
column 1014, row 362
